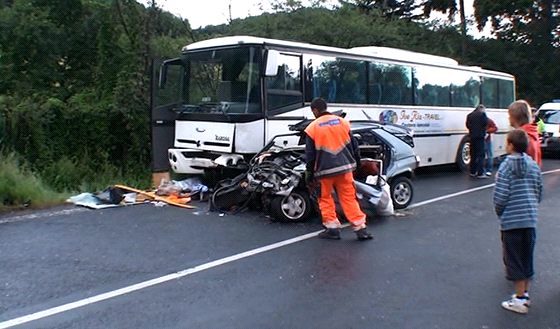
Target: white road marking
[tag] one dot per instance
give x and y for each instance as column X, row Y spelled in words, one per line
column 449, row 196
column 13, row 219
column 149, row 283
column 465, row 192
column 199, row 268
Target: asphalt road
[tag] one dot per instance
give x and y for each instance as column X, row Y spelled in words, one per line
column 436, row 265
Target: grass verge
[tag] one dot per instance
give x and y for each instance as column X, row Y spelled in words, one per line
column 21, row 188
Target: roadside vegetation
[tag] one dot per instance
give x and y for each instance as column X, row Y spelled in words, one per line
column 21, row 188
column 76, row 74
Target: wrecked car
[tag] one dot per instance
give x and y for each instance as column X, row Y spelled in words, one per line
column 275, row 178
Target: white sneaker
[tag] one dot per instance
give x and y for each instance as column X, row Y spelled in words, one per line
column 488, row 173
column 516, row 305
column 527, row 300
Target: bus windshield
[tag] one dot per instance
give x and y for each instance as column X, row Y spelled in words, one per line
column 224, row 81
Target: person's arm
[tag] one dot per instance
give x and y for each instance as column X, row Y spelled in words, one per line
column 485, row 120
column 540, row 187
column 356, row 150
column 310, row 153
column 501, row 191
column 491, row 128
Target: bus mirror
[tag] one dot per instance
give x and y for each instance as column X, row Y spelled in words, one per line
column 272, row 63
column 162, row 76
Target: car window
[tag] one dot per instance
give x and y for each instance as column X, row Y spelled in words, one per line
column 368, row 138
column 550, row 116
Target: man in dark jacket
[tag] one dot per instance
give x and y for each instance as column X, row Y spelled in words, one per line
column 477, row 121
column 332, row 153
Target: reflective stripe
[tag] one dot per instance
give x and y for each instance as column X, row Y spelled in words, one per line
column 336, row 170
column 359, row 224
column 330, row 150
column 333, row 145
column 333, row 224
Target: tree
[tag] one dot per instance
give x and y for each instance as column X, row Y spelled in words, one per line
column 389, row 9
column 532, row 28
column 524, row 21
column 450, row 7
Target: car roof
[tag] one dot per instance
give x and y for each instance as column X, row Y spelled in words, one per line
column 550, row 106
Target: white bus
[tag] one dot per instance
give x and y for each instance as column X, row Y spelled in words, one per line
column 232, row 94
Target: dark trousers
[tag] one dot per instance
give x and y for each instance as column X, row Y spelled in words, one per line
column 477, row 156
column 518, row 246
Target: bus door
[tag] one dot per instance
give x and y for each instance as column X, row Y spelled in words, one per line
column 284, row 95
column 163, row 101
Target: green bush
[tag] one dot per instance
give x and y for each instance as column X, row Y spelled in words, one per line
column 78, row 176
column 19, row 187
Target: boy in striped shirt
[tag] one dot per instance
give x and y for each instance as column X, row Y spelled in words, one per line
column 516, row 196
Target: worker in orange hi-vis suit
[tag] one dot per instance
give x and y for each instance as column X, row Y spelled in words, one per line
column 332, row 155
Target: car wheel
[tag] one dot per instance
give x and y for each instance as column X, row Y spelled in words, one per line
column 464, row 154
column 401, row 192
column 295, row 207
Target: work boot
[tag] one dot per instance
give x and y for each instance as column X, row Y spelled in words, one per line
column 330, row 233
column 363, row 234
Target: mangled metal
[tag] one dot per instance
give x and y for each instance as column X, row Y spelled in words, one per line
column 275, row 180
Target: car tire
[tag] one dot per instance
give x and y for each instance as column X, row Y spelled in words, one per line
column 295, row 207
column 401, row 192
column 464, row 154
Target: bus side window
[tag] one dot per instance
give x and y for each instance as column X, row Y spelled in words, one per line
column 432, row 86
column 331, row 90
column 351, row 81
column 390, row 84
column 285, row 89
column 375, row 93
column 507, row 93
column 490, row 92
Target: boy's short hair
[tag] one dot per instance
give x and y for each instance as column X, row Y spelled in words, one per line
column 518, row 139
column 520, row 111
column 319, row 104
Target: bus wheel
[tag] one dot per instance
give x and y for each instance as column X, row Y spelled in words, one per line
column 295, row 207
column 464, row 154
column 401, row 192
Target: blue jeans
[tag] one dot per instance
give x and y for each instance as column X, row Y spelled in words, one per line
column 489, row 156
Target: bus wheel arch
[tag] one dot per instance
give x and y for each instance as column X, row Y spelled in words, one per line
column 464, row 154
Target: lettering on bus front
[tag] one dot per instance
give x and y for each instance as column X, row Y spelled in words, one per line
column 222, row 138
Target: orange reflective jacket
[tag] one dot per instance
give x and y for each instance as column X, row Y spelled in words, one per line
column 330, row 148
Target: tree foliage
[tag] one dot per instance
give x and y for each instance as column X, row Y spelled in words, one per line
column 531, row 29
column 522, row 20
column 77, row 82
column 389, row 9
column 443, row 6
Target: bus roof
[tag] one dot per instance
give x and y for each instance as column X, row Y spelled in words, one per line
column 386, row 53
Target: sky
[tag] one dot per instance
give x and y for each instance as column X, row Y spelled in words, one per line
column 201, row 13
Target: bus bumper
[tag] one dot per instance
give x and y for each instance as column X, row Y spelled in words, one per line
column 190, row 161
column 184, row 161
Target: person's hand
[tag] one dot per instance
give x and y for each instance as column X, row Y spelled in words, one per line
column 309, row 178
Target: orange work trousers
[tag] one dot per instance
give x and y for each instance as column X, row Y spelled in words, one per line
column 346, row 192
